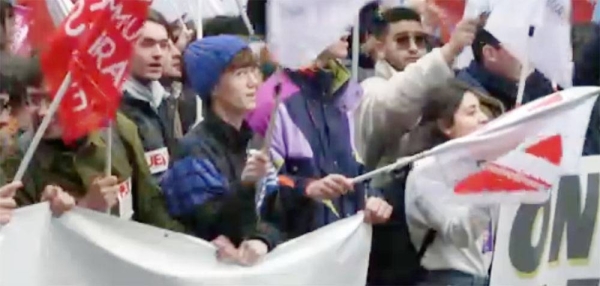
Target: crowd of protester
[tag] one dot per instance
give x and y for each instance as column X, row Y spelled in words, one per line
column 227, row 176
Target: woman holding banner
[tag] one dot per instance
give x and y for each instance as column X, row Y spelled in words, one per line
column 455, row 241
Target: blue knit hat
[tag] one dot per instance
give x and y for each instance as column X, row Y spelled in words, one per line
column 206, row 59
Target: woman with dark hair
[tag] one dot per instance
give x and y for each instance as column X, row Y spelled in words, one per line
column 456, row 238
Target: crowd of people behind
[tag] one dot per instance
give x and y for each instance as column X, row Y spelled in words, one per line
column 194, row 145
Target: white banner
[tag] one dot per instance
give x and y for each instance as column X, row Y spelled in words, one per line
column 89, row 248
column 556, row 243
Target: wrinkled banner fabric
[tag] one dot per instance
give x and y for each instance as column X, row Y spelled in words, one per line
column 89, row 248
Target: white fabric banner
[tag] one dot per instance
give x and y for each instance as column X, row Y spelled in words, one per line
column 555, row 243
column 89, row 248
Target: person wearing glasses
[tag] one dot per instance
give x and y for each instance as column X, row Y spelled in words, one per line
column 404, row 70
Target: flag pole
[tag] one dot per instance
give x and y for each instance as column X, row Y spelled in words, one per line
column 355, row 48
column 108, row 165
column 60, row 94
column 404, row 161
column 524, row 70
column 245, row 17
column 199, row 26
column 268, row 140
column 109, row 144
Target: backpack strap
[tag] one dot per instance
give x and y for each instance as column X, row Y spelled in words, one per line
column 427, row 242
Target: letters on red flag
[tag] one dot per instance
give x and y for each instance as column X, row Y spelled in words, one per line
column 94, row 44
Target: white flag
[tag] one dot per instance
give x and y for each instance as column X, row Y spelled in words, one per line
column 549, row 49
column 299, row 31
column 89, row 248
column 518, row 157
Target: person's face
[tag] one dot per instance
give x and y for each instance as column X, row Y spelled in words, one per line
column 172, row 62
column 339, row 49
column 39, row 102
column 404, row 43
column 467, row 118
column 4, row 110
column 150, row 49
column 236, row 89
column 499, row 61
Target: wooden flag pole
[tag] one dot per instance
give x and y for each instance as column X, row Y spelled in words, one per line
column 524, row 70
column 245, row 18
column 109, row 144
column 355, row 48
column 404, row 161
column 60, row 94
column 268, row 140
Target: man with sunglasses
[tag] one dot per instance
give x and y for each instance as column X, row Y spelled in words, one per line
column 404, row 71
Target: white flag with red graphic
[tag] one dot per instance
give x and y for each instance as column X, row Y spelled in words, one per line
column 517, row 158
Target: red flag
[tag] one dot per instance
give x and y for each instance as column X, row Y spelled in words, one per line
column 94, row 44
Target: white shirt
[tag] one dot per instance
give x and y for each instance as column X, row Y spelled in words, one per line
column 461, row 229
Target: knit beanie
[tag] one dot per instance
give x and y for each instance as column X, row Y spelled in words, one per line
column 206, row 59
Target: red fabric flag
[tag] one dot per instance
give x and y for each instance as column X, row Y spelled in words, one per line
column 97, row 56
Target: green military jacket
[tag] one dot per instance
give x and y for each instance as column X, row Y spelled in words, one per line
column 75, row 170
column 2, row 178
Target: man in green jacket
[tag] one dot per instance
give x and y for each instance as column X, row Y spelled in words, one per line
column 78, row 168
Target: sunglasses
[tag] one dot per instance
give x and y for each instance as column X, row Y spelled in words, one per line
column 406, row 41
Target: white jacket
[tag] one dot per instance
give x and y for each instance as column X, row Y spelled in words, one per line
column 462, row 230
column 392, row 104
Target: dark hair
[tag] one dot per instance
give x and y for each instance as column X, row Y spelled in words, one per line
column 16, row 90
column 33, row 74
column 390, row 16
column 224, row 25
column 158, row 18
column 441, row 104
column 482, row 39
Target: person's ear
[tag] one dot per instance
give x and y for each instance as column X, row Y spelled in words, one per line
column 445, row 128
column 379, row 48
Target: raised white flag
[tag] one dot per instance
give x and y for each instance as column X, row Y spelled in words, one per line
column 90, row 248
column 299, row 31
column 549, row 48
column 518, row 157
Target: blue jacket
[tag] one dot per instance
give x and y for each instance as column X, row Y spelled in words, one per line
column 503, row 89
column 203, row 189
column 313, row 138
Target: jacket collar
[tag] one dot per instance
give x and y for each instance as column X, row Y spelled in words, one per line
column 334, row 82
column 226, row 134
column 384, row 70
column 497, row 86
column 152, row 93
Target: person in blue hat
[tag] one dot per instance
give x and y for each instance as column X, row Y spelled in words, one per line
column 211, row 186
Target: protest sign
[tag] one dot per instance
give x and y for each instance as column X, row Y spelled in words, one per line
column 554, row 243
column 89, row 248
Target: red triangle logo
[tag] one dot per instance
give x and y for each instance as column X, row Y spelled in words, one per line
column 497, row 178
